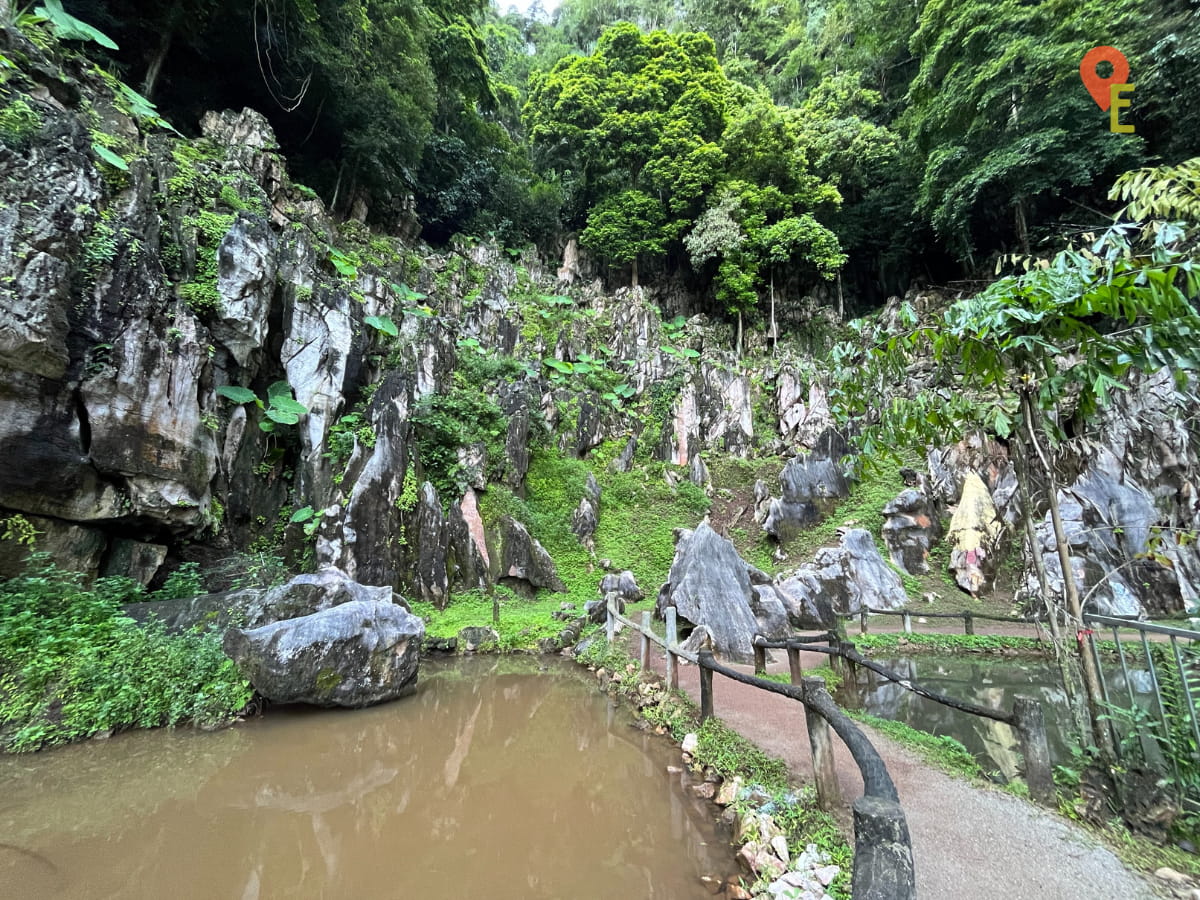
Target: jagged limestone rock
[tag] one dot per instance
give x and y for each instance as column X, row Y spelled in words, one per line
column 524, row 563
column 975, row 533
column 710, row 585
column 912, row 525
column 583, row 523
column 353, row 655
column 841, row 580
column 812, row 486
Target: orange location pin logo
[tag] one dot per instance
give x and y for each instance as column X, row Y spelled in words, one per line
column 1099, row 87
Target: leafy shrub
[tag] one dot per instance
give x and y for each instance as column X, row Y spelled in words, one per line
column 74, row 665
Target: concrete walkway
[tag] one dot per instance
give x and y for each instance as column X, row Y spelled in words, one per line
column 969, row 843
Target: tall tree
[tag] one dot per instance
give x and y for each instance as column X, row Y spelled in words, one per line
column 999, row 118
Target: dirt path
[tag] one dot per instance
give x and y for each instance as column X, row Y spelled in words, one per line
column 969, row 843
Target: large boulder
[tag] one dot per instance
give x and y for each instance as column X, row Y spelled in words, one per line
column 912, row 524
column 1123, row 565
column 975, row 533
column 841, row 581
column 356, row 654
column 524, row 563
column 255, row 607
column 812, row 486
column 710, row 585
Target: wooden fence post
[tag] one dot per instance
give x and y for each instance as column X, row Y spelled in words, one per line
column 907, row 622
column 672, row 640
column 968, row 622
column 829, row 792
column 706, row 692
column 645, row 641
column 883, row 863
column 862, row 621
column 760, row 660
column 1030, row 725
column 794, row 665
column 610, row 622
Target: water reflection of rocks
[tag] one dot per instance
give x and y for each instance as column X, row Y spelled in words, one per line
column 499, row 782
column 988, row 681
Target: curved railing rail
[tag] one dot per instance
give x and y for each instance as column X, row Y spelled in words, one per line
column 883, row 863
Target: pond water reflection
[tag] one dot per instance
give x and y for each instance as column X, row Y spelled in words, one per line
column 494, row 780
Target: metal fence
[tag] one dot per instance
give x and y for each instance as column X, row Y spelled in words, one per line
column 1169, row 662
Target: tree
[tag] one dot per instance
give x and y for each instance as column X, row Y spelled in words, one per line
column 1066, row 332
column 634, row 124
column 1000, row 124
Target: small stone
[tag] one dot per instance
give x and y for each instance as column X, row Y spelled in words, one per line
column 1170, row 875
column 795, row 879
column 705, row 790
column 691, row 742
column 921, row 620
column 729, row 791
column 600, row 673
column 748, row 855
column 674, row 770
column 714, row 885
column 779, row 845
column 826, row 874
column 736, row 891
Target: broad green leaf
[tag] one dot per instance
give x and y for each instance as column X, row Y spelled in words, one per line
column 117, row 162
column 303, row 514
column 383, row 324
column 237, row 394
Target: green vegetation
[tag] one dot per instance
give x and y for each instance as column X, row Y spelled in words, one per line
column 74, row 665
column 948, row 643
column 833, row 679
column 941, row 751
column 18, row 123
column 863, row 508
column 522, row 622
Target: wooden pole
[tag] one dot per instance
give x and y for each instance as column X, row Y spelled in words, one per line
column 610, row 621
column 968, row 622
column 760, row 660
column 829, row 792
column 907, row 623
column 645, row 641
column 1030, row 725
column 794, row 664
column 672, row 641
column 706, row 693
column 862, row 621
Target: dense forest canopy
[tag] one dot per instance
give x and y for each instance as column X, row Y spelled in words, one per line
column 749, row 148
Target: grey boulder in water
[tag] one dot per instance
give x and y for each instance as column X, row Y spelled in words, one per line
column 354, row 654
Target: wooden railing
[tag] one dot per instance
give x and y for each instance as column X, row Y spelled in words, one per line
column 1026, row 718
column 883, row 863
column 968, row 618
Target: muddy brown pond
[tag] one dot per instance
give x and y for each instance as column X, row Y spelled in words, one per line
column 494, row 780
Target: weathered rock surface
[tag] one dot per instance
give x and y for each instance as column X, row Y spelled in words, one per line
column 255, row 607
column 524, row 563
column 975, row 533
column 912, row 525
column 624, row 584
column 812, row 485
column 710, row 585
column 840, row 580
column 356, row 654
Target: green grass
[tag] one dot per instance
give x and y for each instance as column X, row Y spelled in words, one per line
column 833, row 680
column 877, row 487
column 522, row 622
column 941, row 751
column 898, row 642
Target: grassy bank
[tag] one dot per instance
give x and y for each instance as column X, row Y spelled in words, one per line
column 73, row 665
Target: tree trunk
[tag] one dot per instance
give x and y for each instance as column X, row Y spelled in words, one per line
column 1091, row 674
column 1022, row 225
column 774, row 327
column 1067, row 670
column 841, row 300
column 634, row 276
column 738, row 348
column 156, row 63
